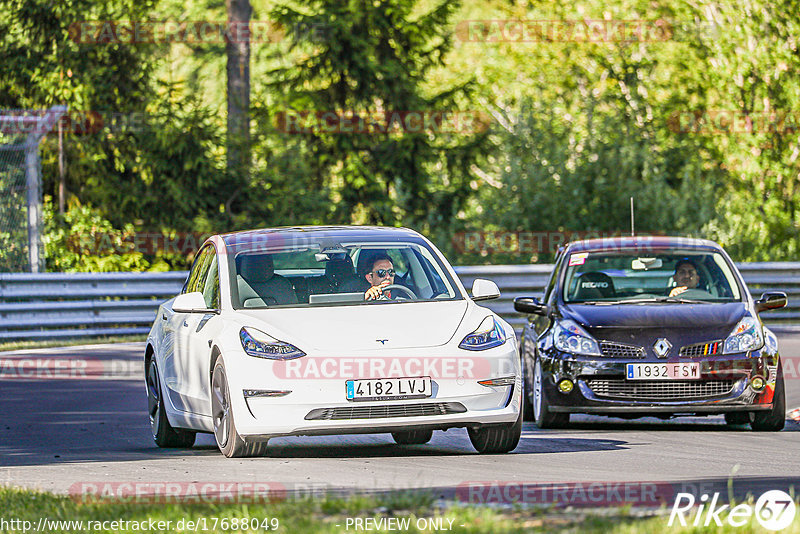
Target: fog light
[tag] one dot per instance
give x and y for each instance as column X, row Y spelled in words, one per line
column 757, row 383
column 565, row 385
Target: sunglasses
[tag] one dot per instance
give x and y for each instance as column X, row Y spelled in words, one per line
column 383, row 272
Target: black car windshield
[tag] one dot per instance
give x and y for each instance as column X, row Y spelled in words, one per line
column 329, row 272
column 671, row 276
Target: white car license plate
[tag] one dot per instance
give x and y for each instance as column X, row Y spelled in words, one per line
column 388, row 388
column 663, row 371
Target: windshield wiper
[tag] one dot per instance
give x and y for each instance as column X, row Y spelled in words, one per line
column 647, row 300
column 681, row 300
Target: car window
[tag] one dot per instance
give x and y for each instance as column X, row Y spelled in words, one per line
column 634, row 276
column 548, row 290
column 200, row 269
column 334, row 273
column 211, row 285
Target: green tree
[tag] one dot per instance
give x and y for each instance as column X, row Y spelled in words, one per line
column 370, row 59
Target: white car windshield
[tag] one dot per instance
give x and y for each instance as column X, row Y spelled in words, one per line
column 664, row 276
column 327, row 273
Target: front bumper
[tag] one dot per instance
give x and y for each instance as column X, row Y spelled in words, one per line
column 601, row 386
column 316, row 404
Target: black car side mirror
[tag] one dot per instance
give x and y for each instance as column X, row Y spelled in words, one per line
column 771, row 300
column 530, row 305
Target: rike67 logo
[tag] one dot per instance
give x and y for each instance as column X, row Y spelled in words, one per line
column 774, row 510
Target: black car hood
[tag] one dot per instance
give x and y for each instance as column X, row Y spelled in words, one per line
column 662, row 315
column 644, row 324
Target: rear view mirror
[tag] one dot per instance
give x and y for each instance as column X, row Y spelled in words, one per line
column 191, row 303
column 484, row 290
column 645, row 264
column 530, row 305
column 771, row 300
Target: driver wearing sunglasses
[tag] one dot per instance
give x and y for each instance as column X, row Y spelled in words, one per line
column 379, row 276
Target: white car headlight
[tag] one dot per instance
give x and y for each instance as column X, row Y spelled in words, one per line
column 568, row 336
column 488, row 335
column 746, row 336
column 257, row 343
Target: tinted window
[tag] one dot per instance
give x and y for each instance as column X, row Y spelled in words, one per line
column 199, row 272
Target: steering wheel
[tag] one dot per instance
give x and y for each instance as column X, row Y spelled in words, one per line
column 401, row 288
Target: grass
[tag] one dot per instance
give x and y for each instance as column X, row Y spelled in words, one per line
column 23, row 345
column 331, row 514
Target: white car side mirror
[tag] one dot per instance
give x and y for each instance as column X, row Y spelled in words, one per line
column 484, row 290
column 191, row 303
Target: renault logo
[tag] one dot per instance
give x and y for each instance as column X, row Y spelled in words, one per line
column 661, row 347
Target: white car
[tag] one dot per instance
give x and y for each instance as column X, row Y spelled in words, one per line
column 275, row 334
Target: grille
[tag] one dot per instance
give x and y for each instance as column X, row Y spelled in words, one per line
column 660, row 389
column 382, row 411
column 701, row 349
column 620, row 350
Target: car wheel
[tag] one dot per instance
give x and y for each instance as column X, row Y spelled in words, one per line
column 496, row 438
column 412, row 437
column 542, row 415
column 527, row 393
column 163, row 434
column 228, row 440
column 737, row 418
column 774, row 419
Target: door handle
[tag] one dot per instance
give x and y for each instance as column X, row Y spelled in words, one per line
column 163, row 316
column 185, row 323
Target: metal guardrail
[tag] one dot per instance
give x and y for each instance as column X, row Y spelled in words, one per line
column 73, row 305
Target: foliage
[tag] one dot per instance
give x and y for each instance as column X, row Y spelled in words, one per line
column 699, row 124
column 370, row 61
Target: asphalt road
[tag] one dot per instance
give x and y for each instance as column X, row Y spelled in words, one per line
column 67, row 434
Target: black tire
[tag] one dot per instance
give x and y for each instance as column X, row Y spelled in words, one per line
column 774, row 419
column 496, row 439
column 737, row 418
column 164, row 435
column 412, row 437
column 228, row 440
column 542, row 415
column 527, row 404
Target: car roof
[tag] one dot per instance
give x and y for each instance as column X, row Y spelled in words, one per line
column 301, row 233
column 642, row 243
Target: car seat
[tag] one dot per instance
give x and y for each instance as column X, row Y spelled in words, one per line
column 258, row 283
column 594, row 285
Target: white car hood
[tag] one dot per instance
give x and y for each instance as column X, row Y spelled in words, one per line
column 358, row 328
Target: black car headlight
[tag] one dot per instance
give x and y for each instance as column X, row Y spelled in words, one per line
column 260, row 345
column 568, row 336
column 488, row 335
column 747, row 336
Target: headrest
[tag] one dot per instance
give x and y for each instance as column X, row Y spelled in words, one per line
column 595, row 282
column 339, row 268
column 256, row 267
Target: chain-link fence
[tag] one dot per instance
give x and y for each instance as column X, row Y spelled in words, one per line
column 20, row 187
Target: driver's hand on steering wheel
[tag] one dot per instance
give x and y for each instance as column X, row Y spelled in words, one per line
column 376, row 292
column 677, row 290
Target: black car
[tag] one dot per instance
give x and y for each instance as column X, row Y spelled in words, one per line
column 634, row 327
